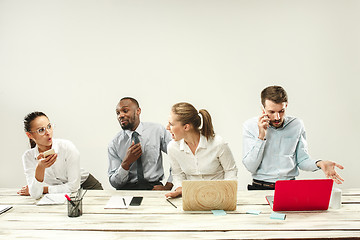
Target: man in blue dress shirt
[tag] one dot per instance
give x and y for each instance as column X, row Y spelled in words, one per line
column 275, row 145
column 135, row 153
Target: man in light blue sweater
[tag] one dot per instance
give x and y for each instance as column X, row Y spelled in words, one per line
column 275, row 145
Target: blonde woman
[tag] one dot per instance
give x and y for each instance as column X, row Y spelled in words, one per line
column 195, row 152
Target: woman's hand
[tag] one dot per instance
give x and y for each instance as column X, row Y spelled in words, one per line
column 175, row 193
column 46, row 162
column 24, row 191
column 43, row 163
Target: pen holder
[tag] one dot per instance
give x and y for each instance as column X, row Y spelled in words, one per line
column 76, row 209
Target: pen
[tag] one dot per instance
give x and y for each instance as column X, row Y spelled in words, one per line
column 78, row 194
column 69, row 199
column 124, row 201
column 171, row 203
column 46, row 196
column 82, row 196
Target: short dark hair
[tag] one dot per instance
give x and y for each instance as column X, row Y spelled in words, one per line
column 132, row 100
column 276, row 94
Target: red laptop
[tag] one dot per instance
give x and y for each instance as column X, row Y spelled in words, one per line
column 301, row 195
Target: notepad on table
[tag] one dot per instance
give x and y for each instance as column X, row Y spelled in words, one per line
column 118, row 202
column 52, row 199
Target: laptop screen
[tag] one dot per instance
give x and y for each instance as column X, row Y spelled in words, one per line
column 302, row 195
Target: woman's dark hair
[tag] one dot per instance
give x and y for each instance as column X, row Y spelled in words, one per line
column 27, row 123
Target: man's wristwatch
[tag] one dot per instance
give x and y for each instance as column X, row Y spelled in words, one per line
column 317, row 162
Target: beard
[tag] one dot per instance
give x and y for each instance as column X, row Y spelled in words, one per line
column 276, row 123
column 128, row 126
column 130, row 123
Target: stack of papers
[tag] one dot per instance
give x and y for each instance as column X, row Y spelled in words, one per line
column 52, row 199
column 118, row 202
column 4, row 208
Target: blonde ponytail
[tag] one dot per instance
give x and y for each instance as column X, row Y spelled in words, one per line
column 201, row 121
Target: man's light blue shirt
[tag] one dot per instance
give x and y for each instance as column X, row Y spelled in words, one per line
column 280, row 155
column 154, row 138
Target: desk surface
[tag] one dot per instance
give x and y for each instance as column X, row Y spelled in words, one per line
column 157, row 219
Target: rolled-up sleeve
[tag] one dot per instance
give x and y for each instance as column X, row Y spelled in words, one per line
column 118, row 176
column 36, row 188
column 303, row 159
column 165, row 140
column 253, row 150
column 177, row 173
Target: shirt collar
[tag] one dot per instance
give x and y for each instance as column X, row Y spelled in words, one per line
column 53, row 146
column 139, row 130
column 202, row 144
column 203, row 141
column 36, row 152
column 287, row 120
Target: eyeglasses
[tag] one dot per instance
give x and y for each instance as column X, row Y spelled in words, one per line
column 41, row 131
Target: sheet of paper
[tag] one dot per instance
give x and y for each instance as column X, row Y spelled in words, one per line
column 52, row 199
column 118, row 202
column 4, row 208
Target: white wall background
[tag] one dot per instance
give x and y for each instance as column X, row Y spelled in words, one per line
column 75, row 59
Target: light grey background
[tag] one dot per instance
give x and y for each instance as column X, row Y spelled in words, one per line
column 74, row 60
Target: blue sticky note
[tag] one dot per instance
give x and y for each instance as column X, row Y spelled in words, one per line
column 255, row 212
column 218, row 212
column 278, row 216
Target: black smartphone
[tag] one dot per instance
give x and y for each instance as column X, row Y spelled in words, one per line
column 136, row 201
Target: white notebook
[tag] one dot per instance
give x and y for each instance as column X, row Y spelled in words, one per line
column 118, row 202
column 52, row 199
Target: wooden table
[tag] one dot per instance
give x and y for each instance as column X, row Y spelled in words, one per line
column 157, row 219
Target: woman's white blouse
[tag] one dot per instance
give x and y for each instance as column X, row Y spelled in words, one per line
column 64, row 176
column 212, row 160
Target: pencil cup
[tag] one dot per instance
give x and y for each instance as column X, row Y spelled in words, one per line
column 335, row 199
column 74, row 207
